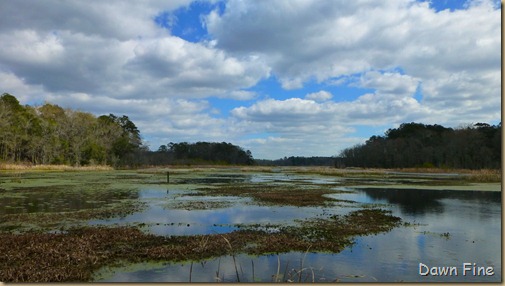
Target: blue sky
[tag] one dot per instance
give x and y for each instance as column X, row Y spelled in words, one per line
column 280, row 78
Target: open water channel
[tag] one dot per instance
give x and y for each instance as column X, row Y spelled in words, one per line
column 456, row 230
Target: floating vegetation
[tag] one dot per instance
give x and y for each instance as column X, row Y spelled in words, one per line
column 282, row 194
column 199, row 205
column 42, row 216
column 50, row 200
column 51, row 220
column 73, row 255
column 446, row 235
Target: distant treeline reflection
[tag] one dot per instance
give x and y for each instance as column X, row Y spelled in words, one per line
column 418, row 201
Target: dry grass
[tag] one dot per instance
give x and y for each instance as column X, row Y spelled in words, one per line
column 42, row 167
column 282, row 195
column 485, row 176
column 478, row 176
column 73, row 256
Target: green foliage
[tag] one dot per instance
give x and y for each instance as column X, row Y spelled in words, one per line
column 427, row 165
column 49, row 134
column 218, row 153
column 298, row 161
column 184, row 153
column 428, row 146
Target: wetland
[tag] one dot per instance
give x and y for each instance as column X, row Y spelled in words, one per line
column 219, row 224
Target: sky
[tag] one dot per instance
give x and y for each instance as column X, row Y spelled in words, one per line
column 276, row 77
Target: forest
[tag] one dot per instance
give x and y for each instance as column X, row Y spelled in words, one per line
column 477, row 146
column 198, row 153
column 49, row 134
column 298, row 161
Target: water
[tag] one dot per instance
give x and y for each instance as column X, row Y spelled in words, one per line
column 448, row 228
column 164, row 216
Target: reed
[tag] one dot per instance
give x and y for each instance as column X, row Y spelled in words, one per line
column 217, row 272
column 44, row 167
column 232, row 255
column 485, row 176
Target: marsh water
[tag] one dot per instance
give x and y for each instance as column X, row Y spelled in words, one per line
column 445, row 227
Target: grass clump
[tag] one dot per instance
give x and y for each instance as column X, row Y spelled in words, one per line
column 485, row 176
column 44, row 167
column 74, row 255
column 275, row 194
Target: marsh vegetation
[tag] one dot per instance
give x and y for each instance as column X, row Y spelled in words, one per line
column 68, row 226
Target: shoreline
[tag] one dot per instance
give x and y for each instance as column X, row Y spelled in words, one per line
column 478, row 187
column 466, row 175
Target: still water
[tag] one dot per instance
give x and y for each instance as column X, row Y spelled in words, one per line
column 448, row 228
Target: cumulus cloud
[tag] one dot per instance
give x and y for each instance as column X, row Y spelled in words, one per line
column 107, row 19
column 319, row 96
column 416, row 64
column 364, row 35
column 295, row 114
column 389, row 83
column 101, row 48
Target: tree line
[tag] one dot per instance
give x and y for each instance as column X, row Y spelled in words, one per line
column 298, row 161
column 475, row 146
column 184, row 153
column 49, row 134
column 201, row 153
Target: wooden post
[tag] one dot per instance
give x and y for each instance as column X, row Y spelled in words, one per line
column 168, row 177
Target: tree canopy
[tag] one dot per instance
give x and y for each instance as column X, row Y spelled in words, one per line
column 49, row 134
column 205, row 152
column 298, row 161
column 418, row 145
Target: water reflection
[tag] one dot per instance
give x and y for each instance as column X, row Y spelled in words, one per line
column 163, row 217
column 216, row 179
column 471, row 220
column 419, row 201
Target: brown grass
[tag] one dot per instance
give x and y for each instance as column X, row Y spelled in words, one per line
column 42, row 167
column 479, row 176
column 74, row 256
column 299, row 196
column 485, row 176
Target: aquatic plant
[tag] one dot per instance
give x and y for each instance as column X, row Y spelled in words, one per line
column 74, row 254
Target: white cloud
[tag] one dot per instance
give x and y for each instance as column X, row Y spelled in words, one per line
column 326, row 40
column 115, row 49
column 319, row 96
column 107, row 19
column 110, row 57
column 293, row 116
column 27, row 46
column 324, row 127
column 389, row 83
column 10, row 83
